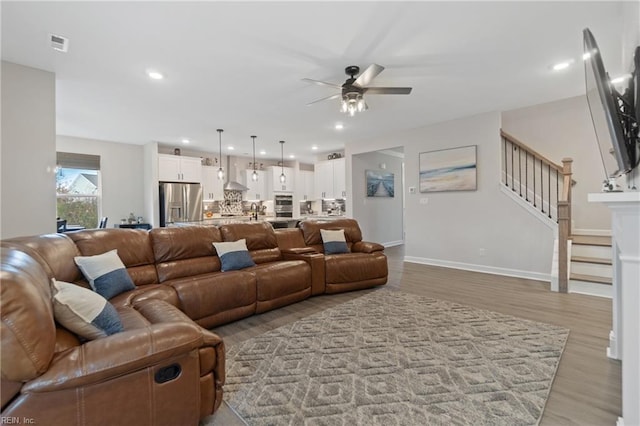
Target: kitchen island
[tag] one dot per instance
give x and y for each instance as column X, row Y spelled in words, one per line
column 277, row 222
column 324, row 217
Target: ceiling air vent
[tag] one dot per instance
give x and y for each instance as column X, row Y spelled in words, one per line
column 59, row 43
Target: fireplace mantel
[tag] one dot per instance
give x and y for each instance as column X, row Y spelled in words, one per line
column 624, row 339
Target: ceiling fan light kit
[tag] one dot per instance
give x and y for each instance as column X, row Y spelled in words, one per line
column 352, row 103
column 354, row 88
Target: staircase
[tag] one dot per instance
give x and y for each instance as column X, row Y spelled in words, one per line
column 591, row 269
column 581, row 262
column 544, row 187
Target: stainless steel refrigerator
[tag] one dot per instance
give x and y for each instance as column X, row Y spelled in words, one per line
column 180, row 202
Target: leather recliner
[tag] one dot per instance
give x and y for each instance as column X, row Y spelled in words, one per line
column 279, row 282
column 363, row 267
column 51, row 377
column 163, row 369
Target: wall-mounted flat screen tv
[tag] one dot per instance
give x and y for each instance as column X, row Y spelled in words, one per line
column 614, row 115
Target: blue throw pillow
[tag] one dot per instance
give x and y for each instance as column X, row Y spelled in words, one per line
column 106, row 273
column 234, row 255
column 83, row 311
column 333, row 241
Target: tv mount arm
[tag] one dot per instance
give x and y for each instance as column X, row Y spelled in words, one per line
column 630, row 128
column 627, row 117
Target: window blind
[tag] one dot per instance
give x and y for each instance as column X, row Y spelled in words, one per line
column 72, row 160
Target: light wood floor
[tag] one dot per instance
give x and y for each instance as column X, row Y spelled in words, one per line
column 587, row 387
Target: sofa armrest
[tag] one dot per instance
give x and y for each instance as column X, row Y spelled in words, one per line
column 316, row 262
column 366, row 247
column 158, row 311
column 116, row 355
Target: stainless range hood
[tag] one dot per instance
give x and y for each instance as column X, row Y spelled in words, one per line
column 235, row 186
column 232, row 185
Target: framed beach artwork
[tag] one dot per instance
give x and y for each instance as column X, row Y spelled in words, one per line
column 379, row 184
column 448, row 170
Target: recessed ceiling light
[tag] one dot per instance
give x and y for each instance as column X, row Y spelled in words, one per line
column 339, row 126
column 155, row 75
column 562, row 65
column 230, row 148
column 185, row 141
column 292, row 156
column 314, row 147
column 263, row 152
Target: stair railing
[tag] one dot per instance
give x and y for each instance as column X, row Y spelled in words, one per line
column 546, row 186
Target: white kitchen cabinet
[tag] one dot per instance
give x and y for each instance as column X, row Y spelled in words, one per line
column 330, row 179
column 323, row 174
column 174, row 168
column 257, row 189
column 305, row 186
column 339, row 178
column 212, row 187
column 273, row 180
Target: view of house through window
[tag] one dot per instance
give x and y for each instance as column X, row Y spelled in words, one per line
column 78, row 189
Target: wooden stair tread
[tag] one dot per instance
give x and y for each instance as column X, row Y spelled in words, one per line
column 586, row 259
column 591, row 240
column 591, row 279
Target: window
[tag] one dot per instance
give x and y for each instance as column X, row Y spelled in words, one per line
column 78, row 189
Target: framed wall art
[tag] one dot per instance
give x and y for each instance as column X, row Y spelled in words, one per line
column 451, row 169
column 379, row 184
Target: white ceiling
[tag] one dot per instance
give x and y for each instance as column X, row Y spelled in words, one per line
column 239, row 65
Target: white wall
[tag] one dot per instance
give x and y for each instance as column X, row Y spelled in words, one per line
column 480, row 230
column 380, row 218
column 122, row 171
column 564, row 129
column 28, row 151
column 630, row 32
column 151, row 210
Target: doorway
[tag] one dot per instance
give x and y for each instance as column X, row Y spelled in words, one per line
column 378, row 195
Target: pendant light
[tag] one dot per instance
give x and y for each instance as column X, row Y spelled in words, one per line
column 283, row 178
column 220, row 171
column 254, row 175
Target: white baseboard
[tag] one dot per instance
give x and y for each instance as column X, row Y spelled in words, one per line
column 590, row 289
column 596, row 232
column 393, row 243
column 480, row 268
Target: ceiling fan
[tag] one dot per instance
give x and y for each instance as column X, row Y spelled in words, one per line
column 354, row 88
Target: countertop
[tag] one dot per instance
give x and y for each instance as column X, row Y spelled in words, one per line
column 223, row 220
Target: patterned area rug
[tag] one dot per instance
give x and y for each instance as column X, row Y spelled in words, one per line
column 392, row 358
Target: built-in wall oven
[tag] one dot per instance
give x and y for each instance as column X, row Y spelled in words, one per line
column 283, row 205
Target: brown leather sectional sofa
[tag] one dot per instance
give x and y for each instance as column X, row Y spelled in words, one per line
column 52, row 377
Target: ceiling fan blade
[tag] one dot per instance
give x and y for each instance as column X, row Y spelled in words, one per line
column 387, row 90
column 337, row 95
column 322, row 83
column 369, row 74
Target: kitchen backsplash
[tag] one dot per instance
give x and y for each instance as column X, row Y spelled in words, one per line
column 210, row 208
column 232, row 203
column 333, row 206
column 306, row 207
column 219, row 207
